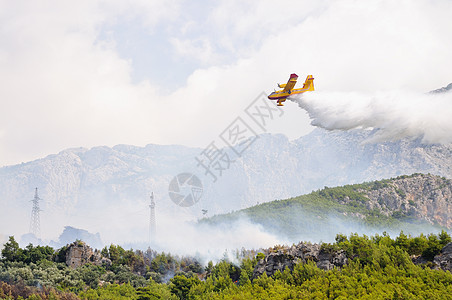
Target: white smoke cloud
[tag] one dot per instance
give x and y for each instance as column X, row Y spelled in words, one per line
column 177, row 229
column 114, row 72
column 212, row 242
column 395, row 114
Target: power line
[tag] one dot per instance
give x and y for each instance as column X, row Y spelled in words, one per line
column 152, row 226
column 35, row 223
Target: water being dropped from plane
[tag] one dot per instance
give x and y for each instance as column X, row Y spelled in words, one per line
column 395, row 114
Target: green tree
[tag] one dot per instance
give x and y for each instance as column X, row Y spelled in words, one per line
column 91, row 274
column 11, row 250
column 247, row 266
column 402, row 241
column 180, row 285
column 444, row 238
column 244, row 278
column 227, row 270
column 116, row 254
column 163, row 263
column 433, row 247
column 33, row 254
column 417, row 245
column 60, row 254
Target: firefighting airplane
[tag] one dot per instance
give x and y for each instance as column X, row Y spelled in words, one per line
column 287, row 89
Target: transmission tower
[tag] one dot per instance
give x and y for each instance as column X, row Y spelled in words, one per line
column 35, row 224
column 152, row 229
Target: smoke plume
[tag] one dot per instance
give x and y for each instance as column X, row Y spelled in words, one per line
column 395, row 114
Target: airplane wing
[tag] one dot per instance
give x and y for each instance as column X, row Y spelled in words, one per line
column 291, row 83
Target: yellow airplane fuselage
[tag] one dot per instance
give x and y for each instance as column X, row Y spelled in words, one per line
column 281, row 95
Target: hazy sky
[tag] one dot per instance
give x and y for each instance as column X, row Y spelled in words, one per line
column 88, row 73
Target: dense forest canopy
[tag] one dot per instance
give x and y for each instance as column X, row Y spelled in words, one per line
column 379, row 267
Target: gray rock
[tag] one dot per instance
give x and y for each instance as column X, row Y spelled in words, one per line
column 444, row 259
column 329, row 260
column 288, row 257
column 79, row 254
column 421, row 196
column 419, row 260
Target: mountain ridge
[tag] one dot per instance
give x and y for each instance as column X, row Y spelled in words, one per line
column 117, row 181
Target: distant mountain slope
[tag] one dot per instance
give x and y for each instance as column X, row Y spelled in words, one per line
column 416, row 203
column 445, row 89
column 338, row 158
column 107, row 189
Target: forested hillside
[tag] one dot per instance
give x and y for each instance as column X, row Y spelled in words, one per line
column 351, row 266
column 377, row 267
column 416, row 203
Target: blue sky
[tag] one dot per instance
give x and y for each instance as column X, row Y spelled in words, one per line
column 91, row 73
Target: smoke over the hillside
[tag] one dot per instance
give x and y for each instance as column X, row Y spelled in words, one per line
column 395, row 115
column 179, row 233
column 214, row 241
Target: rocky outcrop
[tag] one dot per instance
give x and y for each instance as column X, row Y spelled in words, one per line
column 329, row 260
column 419, row 196
column 425, row 197
column 288, row 257
column 444, row 259
column 78, row 254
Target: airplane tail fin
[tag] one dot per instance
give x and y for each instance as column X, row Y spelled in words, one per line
column 309, row 83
